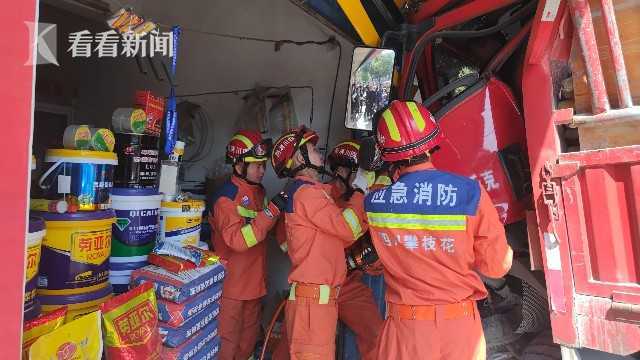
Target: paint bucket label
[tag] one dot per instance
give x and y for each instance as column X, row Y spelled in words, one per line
column 103, row 140
column 138, row 121
column 91, row 247
column 33, row 262
column 184, row 230
column 128, row 120
column 119, row 249
column 77, row 137
column 136, row 227
column 138, row 155
column 82, row 137
column 84, row 264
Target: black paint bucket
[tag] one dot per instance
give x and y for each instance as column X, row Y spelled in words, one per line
column 138, row 165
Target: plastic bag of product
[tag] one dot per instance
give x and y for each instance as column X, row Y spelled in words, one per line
column 80, row 339
column 210, row 351
column 174, row 337
column 39, row 326
column 181, row 286
column 195, row 344
column 131, row 325
column 176, row 258
column 175, row 315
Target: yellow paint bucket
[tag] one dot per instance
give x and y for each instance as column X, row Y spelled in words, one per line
column 34, row 245
column 180, row 222
column 77, row 305
column 75, row 252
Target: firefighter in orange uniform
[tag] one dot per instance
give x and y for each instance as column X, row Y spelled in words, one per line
column 317, row 232
column 434, row 232
column 240, row 219
column 356, row 307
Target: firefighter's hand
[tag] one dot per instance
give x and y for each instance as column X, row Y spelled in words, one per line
column 280, row 200
column 362, row 180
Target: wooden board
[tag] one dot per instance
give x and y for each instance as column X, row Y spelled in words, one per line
column 628, row 18
column 609, row 135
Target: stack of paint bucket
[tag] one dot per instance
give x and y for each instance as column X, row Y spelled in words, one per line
column 75, row 250
column 134, row 232
column 136, row 200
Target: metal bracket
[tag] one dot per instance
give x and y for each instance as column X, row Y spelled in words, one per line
column 550, row 192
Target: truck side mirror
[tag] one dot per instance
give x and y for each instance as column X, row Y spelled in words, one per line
column 369, row 85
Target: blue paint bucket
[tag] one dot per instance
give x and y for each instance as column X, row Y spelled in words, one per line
column 87, row 176
column 121, row 278
column 127, row 263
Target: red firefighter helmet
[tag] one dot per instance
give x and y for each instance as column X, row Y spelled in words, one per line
column 285, row 148
column 406, row 129
column 344, row 154
column 247, row 146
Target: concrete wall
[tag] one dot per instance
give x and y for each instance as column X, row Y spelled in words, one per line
column 94, row 87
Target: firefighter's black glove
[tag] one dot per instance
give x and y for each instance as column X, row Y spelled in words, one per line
column 280, row 200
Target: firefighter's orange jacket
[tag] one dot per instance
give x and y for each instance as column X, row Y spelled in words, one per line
column 318, row 230
column 433, row 230
column 240, row 219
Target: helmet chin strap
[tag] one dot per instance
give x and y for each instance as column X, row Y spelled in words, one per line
column 345, row 181
column 307, row 164
column 243, row 174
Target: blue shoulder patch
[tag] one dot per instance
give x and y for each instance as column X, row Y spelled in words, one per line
column 228, row 190
column 290, row 189
column 427, row 192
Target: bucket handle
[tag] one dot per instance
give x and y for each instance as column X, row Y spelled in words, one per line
column 46, row 175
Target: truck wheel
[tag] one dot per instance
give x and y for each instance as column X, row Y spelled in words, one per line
column 542, row 348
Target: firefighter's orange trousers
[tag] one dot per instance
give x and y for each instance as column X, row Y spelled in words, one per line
column 311, row 316
column 357, row 309
column 432, row 333
column 238, row 326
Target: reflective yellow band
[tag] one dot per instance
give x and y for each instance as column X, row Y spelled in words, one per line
column 248, row 213
column 325, row 291
column 371, row 177
column 417, row 116
column 249, row 159
column 383, row 180
column 284, row 247
column 417, row 221
column 360, row 20
column 391, row 125
column 292, row 292
column 245, row 140
column 248, row 235
column 355, row 145
column 351, row 218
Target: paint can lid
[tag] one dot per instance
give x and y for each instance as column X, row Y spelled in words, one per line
column 77, row 216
